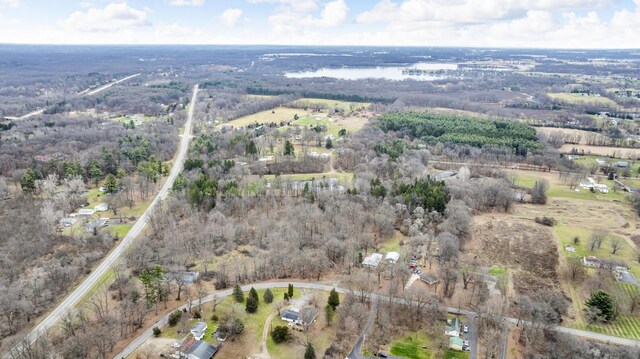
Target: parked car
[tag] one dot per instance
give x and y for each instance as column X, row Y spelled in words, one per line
column 176, row 345
column 466, row 343
column 465, row 328
column 382, row 355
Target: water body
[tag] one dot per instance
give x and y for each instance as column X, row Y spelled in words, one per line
column 421, row 72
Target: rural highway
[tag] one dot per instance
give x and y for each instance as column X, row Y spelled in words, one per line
column 86, row 92
column 73, row 298
column 148, row 333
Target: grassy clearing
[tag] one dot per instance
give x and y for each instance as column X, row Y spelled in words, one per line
column 274, row 115
column 576, row 98
column 452, row 354
column 497, row 271
column 119, row 230
column 342, row 177
column 606, row 151
column 393, row 244
column 411, row 346
column 327, row 104
column 333, row 126
column 103, row 282
column 559, row 190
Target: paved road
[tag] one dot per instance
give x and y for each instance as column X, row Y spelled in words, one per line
column 73, row 298
column 138, row 341
column 357, row 349
column 472, row 336
column 83, row 93
column 505, row 342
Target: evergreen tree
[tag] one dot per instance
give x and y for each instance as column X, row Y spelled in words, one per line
column 237, row 293
column 95, row 172
column 600, row 306
column 280, row 334
column 267, row 296
column 286, row 296
column 251, row 305
column 290, row 290
column 253, row 294
column 334, row 299
column 329, row 144
column 342, row 132
column 289, row 150
column 111, row 184
column 28, row 182
column 309, row 353
column 251, row 148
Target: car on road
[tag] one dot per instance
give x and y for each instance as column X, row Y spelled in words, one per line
column 465, row 328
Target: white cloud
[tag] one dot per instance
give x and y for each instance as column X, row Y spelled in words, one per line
column 113, row 17
column 186, row 2
column 10, row 3
column 380, row 12
column 300, row 6
column 334, row 14
column 231, row 16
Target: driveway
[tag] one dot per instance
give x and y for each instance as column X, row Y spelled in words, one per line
column 471, row 336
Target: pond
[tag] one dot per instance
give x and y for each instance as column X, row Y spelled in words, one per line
column 421, row 72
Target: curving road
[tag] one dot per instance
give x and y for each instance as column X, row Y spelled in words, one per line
column 73, row 298
column 355, row 353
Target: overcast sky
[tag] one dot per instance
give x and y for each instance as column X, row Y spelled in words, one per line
column 485, row 23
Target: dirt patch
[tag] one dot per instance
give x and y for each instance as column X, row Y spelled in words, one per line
column 526, row 248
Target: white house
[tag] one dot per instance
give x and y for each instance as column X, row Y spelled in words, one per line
column 198, row 330
column 290, row 316
column 372, row 261
column 86, row 211
column 392, row 257
column 102, row 207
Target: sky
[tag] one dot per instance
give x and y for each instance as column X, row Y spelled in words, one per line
column 469, row 23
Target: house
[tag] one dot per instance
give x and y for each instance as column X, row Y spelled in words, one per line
column 600, row 263
column 201, row 350
column 291, row 316
column 453, row 330
column 372, row 261
column 308, row 315
column 622, row 164
column 67, row 222
column 86, row 211
column 392, row 257
column 428, row 278
column 456, row 343
column 98, row 223
column 601, row 162
column 102, row 207
column 199, row 330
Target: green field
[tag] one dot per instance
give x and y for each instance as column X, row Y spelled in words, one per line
column 346, row 106
column 558, row 190
column 497, row 271
column 411, row 346
column 275, row 115
column 333, row 127
column 578, row 98
column 119, row 230
column 344, row 178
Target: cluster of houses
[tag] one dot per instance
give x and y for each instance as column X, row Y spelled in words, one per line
column 373, row 260
column 454, row 331
column 86, row 213
column 592, row 184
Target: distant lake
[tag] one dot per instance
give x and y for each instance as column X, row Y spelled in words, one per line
column 421, row 72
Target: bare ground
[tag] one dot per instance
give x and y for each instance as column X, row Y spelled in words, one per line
column 526, row 248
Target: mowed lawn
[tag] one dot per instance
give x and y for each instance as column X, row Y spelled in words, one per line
column 276, row 115
column 580, row 98
column 346, row 106
column 412, row 346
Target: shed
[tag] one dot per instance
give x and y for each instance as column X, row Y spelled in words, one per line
column 86, row 211
column 102, row 207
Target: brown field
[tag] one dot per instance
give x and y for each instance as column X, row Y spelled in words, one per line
column 568, row 131
column 616, row 152
column 527, row 249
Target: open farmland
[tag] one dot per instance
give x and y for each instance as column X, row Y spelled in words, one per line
column 325, row 104
column 617, row 152
column 576, row 98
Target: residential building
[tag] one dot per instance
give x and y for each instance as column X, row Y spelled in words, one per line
column 102, row 207
column 86, row 211
column 291, row 316
column 201, row 350
column 456, row 343
column 198, row 330
column 601, row 263
column 453, row 330
column 392, row 257
column 373, row 260
column 428, row 278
